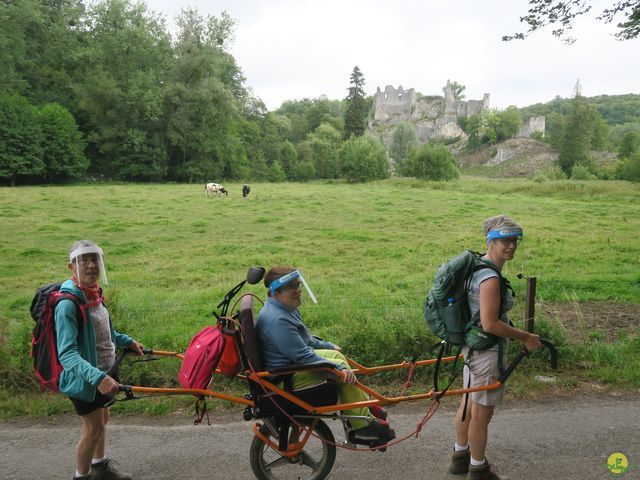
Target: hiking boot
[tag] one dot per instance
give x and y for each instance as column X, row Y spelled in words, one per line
column 460, row 462
column 378, row 432
column 484, row 472
column 378, row 412
column 107, row 471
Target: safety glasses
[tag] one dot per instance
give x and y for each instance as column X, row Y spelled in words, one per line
column 506, row 241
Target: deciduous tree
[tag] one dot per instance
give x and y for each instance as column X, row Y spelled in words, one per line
column 629, row 145
column 63, row 145
column 560, row 15
column 363, row 158
column 20, row 139
column 325, row 143
column 404, row 139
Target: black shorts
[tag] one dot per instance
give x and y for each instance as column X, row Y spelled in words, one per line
column 85, row 408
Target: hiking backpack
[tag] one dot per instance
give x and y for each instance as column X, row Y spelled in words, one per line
column 44, row 348
column 446, row 308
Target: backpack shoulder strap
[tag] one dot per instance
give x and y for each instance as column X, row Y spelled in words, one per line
column 81, row 310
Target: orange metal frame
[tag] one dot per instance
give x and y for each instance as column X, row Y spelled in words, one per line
column 294, row 448
column 261, row 379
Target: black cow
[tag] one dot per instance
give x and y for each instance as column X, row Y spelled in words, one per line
column 245, row 190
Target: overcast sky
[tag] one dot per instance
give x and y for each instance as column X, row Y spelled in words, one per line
column 292, row 49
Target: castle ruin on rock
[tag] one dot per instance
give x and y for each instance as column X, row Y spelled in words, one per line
column 434, row 117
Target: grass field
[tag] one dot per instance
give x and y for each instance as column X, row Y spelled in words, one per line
column 369, row 251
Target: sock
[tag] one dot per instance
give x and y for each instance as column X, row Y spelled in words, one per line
column 460, row 448
column 478, row 463
column 98, row 460
column 80, row 475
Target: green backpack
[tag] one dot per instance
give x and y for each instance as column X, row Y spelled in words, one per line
column 446, row 308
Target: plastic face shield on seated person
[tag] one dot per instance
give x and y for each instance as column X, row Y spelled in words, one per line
column 89, row 260
column 288, row 277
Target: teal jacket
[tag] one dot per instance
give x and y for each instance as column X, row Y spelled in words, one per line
column 77, row 348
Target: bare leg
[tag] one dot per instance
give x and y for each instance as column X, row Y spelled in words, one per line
column 100, row 450
column 462, row 428
column 479, row 429
column 91, row 439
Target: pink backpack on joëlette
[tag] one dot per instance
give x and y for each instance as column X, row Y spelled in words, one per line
column 201, row 358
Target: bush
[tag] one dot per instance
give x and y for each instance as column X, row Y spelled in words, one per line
column 432, row 161
column 276, row 173
column 581, row 172
column 556, row 173
column 539, row 136
column 363, row 158
column 304, row 171
column 630, row 168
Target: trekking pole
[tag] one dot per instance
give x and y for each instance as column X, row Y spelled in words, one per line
column 553, row 353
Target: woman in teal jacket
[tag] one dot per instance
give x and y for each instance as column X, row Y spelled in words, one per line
column 86, row 342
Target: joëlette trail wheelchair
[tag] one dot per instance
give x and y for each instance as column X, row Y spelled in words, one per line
column 291, row 436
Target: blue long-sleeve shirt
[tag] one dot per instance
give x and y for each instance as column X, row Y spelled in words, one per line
column 284, row 338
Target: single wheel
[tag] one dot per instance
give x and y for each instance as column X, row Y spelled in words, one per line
column 314, row 463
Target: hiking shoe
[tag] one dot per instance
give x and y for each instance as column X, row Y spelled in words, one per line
column 460, row 462
column 484, row 472
column 107, row 471
column 378, row 412
column 378, row 432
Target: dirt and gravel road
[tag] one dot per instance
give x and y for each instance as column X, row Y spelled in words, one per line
column 551, row 439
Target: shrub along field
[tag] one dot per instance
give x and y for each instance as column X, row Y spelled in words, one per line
column 369, row 251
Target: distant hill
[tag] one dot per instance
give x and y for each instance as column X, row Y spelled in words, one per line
column 615, row 109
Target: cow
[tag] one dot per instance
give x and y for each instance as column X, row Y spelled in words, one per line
column 245, row 190
column 211, row 188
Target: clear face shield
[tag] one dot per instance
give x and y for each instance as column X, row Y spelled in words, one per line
column 289, row 277
column 506, row 236
column 87, row 264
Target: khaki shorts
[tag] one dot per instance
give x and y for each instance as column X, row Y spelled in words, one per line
column 483, row 370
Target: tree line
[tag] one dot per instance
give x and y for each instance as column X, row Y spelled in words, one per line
column 105, row 90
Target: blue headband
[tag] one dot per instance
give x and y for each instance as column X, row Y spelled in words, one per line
column 505, row 233
column 283, row 280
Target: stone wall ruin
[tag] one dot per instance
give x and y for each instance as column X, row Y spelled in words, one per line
column 434, row 117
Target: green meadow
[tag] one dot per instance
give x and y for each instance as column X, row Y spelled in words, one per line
column 369, row 252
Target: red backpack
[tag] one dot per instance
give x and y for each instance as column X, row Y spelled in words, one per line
column 44, row 348
column 201, row 358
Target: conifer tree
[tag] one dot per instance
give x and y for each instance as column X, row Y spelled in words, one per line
column 355, row 116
